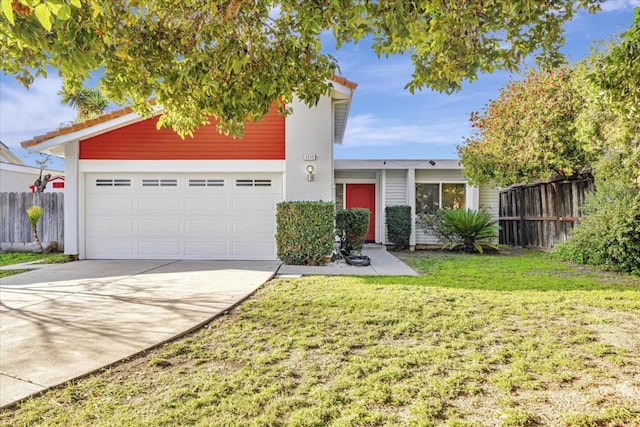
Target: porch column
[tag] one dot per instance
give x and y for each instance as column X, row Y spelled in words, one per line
column 71, row 197
column 411, row 201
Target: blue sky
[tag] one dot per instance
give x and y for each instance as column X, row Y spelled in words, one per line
column 385, row 121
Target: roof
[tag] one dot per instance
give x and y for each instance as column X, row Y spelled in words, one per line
column 375, row 164
column 344, row 82
column 75, row 127
column 7, row 156
column 65, row 130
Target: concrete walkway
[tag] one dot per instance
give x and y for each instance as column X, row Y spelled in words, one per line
column 67, row 320
column 383, row 263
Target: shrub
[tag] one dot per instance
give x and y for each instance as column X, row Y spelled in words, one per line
column 398, row 225
column 34, row 213
column 465, row 229
column 351, row 228
column 305, row 231
column 609, row 234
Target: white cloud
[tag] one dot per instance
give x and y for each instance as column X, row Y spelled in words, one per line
column 368, row 130
column 25, row 113
column 617, row 5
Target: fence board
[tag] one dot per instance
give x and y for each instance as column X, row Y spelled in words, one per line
column 541, row 215
column 14, row 224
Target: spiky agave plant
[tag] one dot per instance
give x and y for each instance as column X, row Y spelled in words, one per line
column 469, row 229
column 34, row 213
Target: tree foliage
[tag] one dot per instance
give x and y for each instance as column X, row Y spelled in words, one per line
column 609, row 235
column 87, row 102
column 528, row 133
column 232, row 59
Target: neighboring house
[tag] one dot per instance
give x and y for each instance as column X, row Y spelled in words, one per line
column 54, row 185
column 133, row 191
column 425, row 185
column 16, row 176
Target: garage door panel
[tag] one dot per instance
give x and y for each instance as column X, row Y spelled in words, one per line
column 106, row 249
column 161, row 204
column 111, row 204
column 253, row 226
column 202, row 216
column 111, row 226
column 253, row 204
column 207, row 205
column 161, row 226
column 153, row 249
column 207, row 226
column 208, row 249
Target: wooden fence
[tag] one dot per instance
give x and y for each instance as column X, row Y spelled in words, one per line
column 541, row 215
column 14, row 224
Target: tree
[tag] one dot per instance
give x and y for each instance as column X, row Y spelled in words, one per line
column 528, row 133
column 232, row 59
column 41, row 182
column 87, row 102
column 610, row 84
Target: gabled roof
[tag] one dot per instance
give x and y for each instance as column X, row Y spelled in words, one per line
column 8, row 157
column 76, row 127
column 59, row 133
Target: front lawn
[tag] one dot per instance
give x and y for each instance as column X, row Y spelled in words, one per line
column 518, row 340
column 22, row 257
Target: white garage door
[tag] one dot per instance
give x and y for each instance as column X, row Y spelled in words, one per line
column 181, row 216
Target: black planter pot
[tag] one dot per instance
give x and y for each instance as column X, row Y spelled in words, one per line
column 358, row 260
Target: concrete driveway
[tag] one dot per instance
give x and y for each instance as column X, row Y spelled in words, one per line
column 65, row 321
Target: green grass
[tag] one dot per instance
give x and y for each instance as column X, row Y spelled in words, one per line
column 517, row 340
column 18, row 258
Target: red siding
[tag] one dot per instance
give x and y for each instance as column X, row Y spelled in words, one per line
column 263, row 140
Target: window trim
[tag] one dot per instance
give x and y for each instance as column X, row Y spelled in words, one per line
column 439, row 182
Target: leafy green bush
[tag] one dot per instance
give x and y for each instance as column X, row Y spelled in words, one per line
column 465, row 229
column 351, row 228
column 305, row 231
column 399, row 225
column 609, row 234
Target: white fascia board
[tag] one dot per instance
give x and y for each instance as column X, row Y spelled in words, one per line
column 88, row 132
column 27, row 169
column 347, row 164
column 181, row 166
column 340, row 91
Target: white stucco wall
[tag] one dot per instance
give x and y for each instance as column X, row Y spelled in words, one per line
column 18, row 178
column 309, row 132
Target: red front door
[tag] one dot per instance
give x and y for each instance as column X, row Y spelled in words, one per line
column 364, row 196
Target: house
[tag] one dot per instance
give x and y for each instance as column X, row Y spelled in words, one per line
column 54, row 185
column 17, row 177
column 133, row 191
column 425, row 185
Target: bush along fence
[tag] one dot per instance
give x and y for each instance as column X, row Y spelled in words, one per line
column 541, row 215
column 15, row 230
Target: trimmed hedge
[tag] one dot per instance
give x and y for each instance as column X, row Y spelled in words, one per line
column 399, row 225
column 351, row 228
column 305, row 231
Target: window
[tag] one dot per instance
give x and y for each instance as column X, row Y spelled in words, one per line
column 339, row 196
column 253, row 183
column 206, row 183
column 159, row 182
column 431, row 197
column 113, row 182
